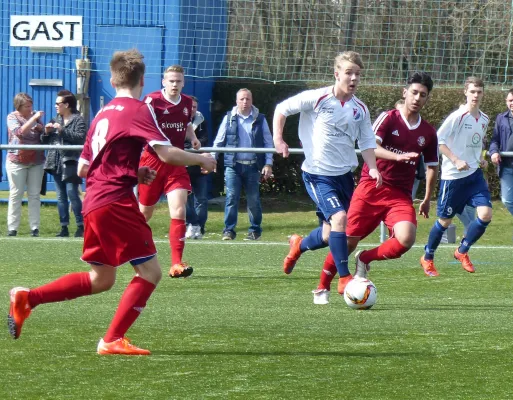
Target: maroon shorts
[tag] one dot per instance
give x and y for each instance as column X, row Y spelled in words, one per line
column 116, row 234
column 169, row 178
column 369, row 206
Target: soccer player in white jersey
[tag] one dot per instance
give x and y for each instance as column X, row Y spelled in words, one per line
column 460, row 140
column 331, row 120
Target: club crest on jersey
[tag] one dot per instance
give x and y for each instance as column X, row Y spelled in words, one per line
column 483, row 126
column 356, row 113
column 185, row 112
column 421, row 141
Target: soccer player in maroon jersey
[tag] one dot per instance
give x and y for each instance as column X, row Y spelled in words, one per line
column 401, row 136
column 115, row 230
column 173, row 111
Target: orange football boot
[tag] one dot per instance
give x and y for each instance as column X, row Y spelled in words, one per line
column 294, row 253
column 342, row 283
column 428, row 266
column 182, row 270
column 19, row 310
column 464, row 259
column 121, row 346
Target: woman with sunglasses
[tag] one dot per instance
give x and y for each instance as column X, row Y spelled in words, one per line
column 68, row 128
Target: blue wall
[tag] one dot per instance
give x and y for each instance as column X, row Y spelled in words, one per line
column 191, row 33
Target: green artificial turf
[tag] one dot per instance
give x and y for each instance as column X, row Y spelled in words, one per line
column 241, row 329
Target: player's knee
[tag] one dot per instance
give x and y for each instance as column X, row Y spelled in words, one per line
column 102, row 283
column 339, row 221
column 485, row 215
column 407, row 241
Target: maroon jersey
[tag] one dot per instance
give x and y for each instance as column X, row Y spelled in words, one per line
column 173, row 118
column 113, row 147
column 398, row 136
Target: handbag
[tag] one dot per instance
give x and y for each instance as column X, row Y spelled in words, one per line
column 69, row 172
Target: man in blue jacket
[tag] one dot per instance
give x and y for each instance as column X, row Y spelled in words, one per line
column 244, row 126
column 502, row 140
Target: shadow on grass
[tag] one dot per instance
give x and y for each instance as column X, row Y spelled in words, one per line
column 439, row 307
column 344, row 354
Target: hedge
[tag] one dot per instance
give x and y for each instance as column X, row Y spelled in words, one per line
column 287, row 172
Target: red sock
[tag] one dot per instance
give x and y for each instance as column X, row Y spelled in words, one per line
column 130, row 306
column 329, row 270
column 66, row 287
column 177, row 230
column 386, row 251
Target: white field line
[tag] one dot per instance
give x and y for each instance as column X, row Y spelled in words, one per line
column 232, row 243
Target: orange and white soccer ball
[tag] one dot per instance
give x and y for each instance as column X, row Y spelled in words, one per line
column 360, row 294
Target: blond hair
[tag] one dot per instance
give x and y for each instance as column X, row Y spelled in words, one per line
column 351, row 56
column 174, row 68
column 127, row 68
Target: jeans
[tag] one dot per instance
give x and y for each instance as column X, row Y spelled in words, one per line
column 21, row 175
column 507, row 187
column 64, row 192
column 247, row 176
column 197, row 202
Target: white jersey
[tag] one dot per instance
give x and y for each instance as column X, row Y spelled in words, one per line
column 328, row 129
column 463, row 135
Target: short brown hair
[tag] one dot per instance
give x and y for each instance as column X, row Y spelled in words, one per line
column 20, row 99
column 127, row 68
column 477, row 82
column 69, row 99
column 351, row 56
column 174, row 68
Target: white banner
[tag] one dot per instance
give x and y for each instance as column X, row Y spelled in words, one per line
column 46, row 30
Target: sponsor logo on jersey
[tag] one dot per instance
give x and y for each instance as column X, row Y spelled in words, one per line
column 395, row 133
column 172, row 125
column 165, row 111
column 421, row 141
column 476, row 138
column 185, row 112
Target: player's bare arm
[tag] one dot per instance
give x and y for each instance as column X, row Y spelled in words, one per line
column 278, row 124
column 431, row 175
column 82, row 169
column 190, row 135
column 461, row 165
column 370, row 158
column 175, row 156
column 384, row 154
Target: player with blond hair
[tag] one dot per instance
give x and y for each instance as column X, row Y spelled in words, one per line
column 331, row 120
column 173, row 111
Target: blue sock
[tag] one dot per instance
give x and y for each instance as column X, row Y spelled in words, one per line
column 313, row 241
column 435, row 236
column 338, row 247
column 474, row 232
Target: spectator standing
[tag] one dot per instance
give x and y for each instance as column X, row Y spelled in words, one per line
column 245, row 127
column 502, row 140
column 24, row 167
column 197, row 201
column 68, row 128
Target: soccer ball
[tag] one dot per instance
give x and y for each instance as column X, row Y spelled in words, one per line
column 360, row 294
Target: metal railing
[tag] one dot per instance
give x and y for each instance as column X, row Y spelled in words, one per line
column 382, row 234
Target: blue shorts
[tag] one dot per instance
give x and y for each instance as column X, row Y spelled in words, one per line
column 331, row 194
column 457, row 193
